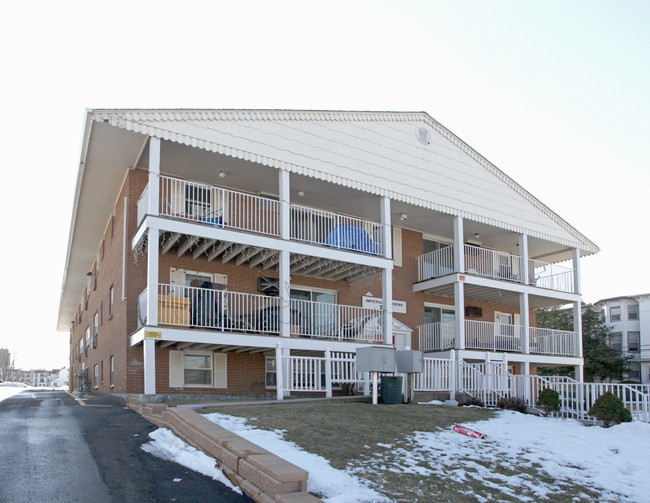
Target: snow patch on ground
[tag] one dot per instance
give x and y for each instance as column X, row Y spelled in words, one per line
column 7, row 390
column 334, row 486
column 165, row 445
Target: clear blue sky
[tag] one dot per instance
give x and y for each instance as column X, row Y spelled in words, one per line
column 554, row 93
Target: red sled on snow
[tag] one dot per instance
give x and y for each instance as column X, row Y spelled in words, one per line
column 468, row 431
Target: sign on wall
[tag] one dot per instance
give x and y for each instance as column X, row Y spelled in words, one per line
column 399, row 306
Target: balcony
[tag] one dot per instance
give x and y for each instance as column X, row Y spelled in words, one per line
column 486, row 336
column 225, row 208
column 244, row 313
column 495, row 265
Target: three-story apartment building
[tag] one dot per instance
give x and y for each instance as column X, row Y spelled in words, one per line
column 629, row 317
column 207, row 244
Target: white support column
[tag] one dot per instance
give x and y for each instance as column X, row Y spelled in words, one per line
column 386, row 239
column 579, row 373
column 328, row 373
column 459, row 246
column 577, row 287
column 524, row 320
column 279, row 372
column 387, row 303
column 149, row 350
column 153, row 245
column 154, row 176
column 459, row 316
column 525, row 370
column 453, row 374
column 285, row 204
column 285, row 294
column 577, row 325
column 523, row 259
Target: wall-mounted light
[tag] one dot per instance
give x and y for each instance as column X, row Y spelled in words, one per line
column 403, row 216
column 222, row 173
column 301, row 193
column 89, row 274
column 476, row 235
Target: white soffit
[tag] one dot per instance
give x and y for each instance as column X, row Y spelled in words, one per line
column 374, row 152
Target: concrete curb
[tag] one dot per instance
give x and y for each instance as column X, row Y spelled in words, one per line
column 263, row 476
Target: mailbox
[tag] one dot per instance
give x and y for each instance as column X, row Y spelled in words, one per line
column 376, row 359
column 409, row 361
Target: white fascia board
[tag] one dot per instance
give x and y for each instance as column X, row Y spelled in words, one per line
column 468, row 354
column 256, row 240
column 497, row 285
column 236, row 339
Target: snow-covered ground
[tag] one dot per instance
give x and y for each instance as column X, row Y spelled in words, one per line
column 612, row 462
column 9, row 389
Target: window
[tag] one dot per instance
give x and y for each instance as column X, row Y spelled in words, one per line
column 96, row 322
column 87, row 337
column 198, row 369
column 633, row 341
column 616, row 341
column 112, row 371
column 96, row 376
column 441, row 314
column 110, row 301
column 313, row 311
column 94, row 274
column 271, row 376
column 112, row 224
column 615, row 313
column 101, row 372
column 632, row 311
column 81, row 347
column 86, row 297
column 635, row 372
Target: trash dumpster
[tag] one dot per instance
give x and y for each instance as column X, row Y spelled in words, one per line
column 391, row 389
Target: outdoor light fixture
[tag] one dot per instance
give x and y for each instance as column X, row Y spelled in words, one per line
column 476, row 235
column 403, row 216
column 301, row 193
column 222, row 173
column 89, row 274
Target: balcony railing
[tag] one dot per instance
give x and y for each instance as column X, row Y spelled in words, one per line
column 231, row 209
column 184, row 306
column 486, row 336
column 495, row 265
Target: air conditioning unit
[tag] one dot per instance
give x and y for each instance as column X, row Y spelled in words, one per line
column 268, row 286
column 93, row 342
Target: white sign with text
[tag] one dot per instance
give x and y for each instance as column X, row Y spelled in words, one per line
column 399, row 306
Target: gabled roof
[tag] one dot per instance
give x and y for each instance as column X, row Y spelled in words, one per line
column 377, row 152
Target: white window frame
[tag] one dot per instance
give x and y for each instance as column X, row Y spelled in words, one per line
column 268, row 372
column 638, row 335
column 96, row 322
column 112, row 371
column 632, row 311
column 611, row 313
column 96, row 384
column 218, row 374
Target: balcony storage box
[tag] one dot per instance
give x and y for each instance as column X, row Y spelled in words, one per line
column 174, row 310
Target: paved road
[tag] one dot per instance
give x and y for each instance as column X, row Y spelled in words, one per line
column 54, row 449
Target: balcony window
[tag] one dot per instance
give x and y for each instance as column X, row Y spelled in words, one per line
column 615, row 313
column 632, row 311
column 633, row 341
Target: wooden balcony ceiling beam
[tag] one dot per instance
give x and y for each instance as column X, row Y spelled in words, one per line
column 274, row 260
column 232, row 253
column 317, row 266
column 344, row 273
column 183, row 345
column 186, row 245
column 226, row 349
column 306, row 262
column 257, row 259
column 167, row 245
column 218, row 250
column 246, row 255
column 199, row 250
column 165, row 344
column 369, row 271
column 332, row 268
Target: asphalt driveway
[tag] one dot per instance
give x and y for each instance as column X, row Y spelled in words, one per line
column 57, row 449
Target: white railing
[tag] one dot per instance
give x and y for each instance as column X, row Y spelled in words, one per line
column 336, row 321
column 436, row 263
column 143, row 204
column 493, row 336
column 436, row 336
column 185, row 306
column 336, row 231
column 219, row 207
column 486, row 381
column 546, row 341
column 488, row 336
column 550, row 276
column 492, row 264
column 304, row 373
column 436, row 375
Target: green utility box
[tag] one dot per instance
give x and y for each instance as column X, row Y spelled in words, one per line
column 391, row 389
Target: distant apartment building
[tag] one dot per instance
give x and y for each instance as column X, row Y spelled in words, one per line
column 629, row 317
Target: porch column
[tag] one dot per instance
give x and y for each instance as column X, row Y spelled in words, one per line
column 525, row 370
column 577, row 288
column 153, row 245
column 459, row 317
column 524, row 319
column 279, row 374
column 453, row 374
column 579, row 373
column 285, row 204
column 386, row 241
column 285, row 294
column 459, row 246
column 577, row 326
column 154, row 176
column 523, row 258
column 149, row 350
column 328, row 373
column 387, row 303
